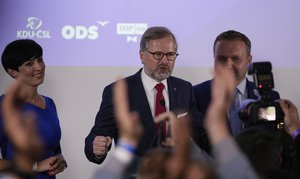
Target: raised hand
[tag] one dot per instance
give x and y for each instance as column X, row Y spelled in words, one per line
column 180, row 128
column 291, row 118
column 20, row 128
column 223, row 87
column 128, row 122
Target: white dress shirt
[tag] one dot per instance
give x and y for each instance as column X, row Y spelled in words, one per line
column 149, row 86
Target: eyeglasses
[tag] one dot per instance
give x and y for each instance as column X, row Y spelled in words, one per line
column 158, row 55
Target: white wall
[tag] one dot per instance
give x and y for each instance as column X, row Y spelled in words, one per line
column 77, row 93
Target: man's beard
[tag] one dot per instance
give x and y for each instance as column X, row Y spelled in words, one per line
column 160, row 76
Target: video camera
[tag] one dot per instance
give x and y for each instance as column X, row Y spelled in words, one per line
column 264, row 110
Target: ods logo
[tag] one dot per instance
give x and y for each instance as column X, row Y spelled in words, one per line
column 80, row 32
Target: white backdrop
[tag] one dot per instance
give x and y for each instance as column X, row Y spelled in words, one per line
column 77, row 93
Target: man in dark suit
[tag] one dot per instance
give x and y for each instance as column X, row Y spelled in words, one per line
column 232, row 50
column 158, row 51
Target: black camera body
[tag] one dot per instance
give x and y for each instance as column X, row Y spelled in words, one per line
column 264, row 110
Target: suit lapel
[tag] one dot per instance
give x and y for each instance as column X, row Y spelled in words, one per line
column 172, row 93
column 139, row 101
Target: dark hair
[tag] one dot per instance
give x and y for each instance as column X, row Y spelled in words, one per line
column 234, row 35
column 154, row 33
column 262, row 147
column 18, row 52
column 153, row 163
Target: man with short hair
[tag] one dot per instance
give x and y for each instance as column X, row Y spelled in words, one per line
column 150, row 91
column 232, row 50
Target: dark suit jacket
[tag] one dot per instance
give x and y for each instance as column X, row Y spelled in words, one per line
column 180, row 95
column 297, row 143
column 202, row 93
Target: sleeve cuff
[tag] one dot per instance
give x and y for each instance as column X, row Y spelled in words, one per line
column 123, row 154
column 98, row 158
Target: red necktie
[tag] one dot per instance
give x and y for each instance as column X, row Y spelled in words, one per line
column 160, row 107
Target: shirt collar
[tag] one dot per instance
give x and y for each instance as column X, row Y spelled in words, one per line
column 242, row 86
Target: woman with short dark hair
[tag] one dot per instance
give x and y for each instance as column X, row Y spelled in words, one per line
column 23, row 61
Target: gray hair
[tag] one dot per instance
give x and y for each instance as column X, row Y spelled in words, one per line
column 154, row 33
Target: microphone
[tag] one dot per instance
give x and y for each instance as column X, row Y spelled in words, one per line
column 162, row 102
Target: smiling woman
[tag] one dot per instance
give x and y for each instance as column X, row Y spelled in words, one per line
column 33, row 71
column 23, row 60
